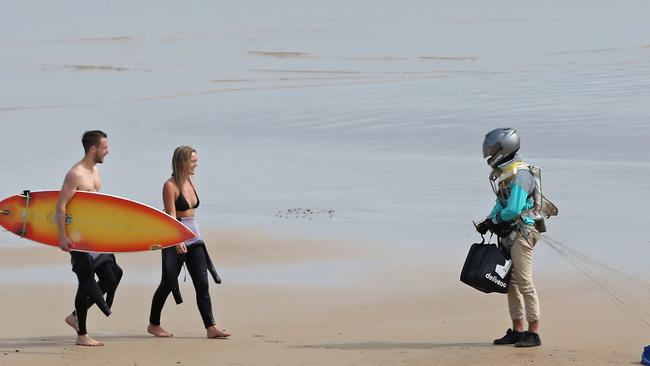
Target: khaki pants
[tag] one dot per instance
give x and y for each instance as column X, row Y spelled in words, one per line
column 522, row 297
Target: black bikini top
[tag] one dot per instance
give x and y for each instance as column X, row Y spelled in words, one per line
column 182, row 204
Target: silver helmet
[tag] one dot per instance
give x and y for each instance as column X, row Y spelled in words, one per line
column 499, row 145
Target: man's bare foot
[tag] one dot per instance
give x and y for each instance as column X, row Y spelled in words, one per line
column 85, row 340
column 71, row 320
column 158, row 331
column 214, row 332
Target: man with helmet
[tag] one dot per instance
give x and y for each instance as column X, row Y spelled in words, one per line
column 511, row 220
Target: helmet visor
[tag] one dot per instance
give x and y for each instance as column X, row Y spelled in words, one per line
column 490, row 148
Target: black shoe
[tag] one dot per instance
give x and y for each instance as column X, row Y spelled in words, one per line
column 511, row 337
column 530, row 339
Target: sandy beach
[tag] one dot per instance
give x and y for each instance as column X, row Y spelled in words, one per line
column 408, row 316
column 339, row 171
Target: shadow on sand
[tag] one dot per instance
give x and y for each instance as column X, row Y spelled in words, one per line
column 8, row 345
column 395, row 345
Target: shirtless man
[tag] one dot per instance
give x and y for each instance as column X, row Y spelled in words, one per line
column 84, row 176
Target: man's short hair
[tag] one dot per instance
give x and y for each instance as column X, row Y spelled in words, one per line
column 92, row 138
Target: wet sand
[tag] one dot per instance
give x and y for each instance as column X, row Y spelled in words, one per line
column 418, row 315
column 372, row 119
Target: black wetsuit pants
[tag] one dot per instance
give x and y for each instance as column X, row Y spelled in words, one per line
column 197, row 265
column 90, row 291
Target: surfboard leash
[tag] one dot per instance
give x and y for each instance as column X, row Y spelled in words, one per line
column 27, row 198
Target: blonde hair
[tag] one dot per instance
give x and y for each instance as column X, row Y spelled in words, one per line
column 181, row 164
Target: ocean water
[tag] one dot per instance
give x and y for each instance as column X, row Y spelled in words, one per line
column 356, row 120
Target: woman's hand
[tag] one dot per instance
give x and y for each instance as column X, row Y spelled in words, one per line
column 181, row 248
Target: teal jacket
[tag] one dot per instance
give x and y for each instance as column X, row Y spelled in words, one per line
column 514, row 195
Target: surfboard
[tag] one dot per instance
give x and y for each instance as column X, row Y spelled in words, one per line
column 95, row 222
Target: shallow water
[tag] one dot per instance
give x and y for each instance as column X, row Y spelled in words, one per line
column 372, row 111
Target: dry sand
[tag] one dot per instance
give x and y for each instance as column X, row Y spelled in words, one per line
column 393, row 316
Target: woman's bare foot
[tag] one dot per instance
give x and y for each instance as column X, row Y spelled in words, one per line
column 71, row 320
column 214, row 332
column 85, row 340
column 158, row 331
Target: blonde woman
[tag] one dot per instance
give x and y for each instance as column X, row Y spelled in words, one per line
column 181, row 201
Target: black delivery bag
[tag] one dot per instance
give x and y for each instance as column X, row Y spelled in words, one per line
column 486, row 268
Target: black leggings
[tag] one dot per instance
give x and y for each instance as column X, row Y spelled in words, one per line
column 197, row 265
column 91, row 292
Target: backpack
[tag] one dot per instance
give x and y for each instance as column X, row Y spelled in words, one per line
column 544, row 208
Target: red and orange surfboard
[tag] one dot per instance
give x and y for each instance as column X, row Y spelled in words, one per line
column 95, row 222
